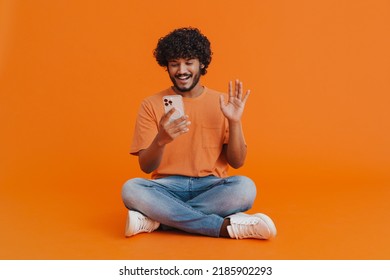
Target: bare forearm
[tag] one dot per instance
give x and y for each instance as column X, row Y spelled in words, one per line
column 150, row 158
column 236, row 148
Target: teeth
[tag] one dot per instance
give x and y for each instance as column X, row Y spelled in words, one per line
column 183, row 77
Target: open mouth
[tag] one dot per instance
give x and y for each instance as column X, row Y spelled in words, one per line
column 183, row 77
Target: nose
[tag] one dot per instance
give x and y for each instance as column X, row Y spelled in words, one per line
column 182, row 68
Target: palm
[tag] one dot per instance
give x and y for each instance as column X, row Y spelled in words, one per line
column 234, row 108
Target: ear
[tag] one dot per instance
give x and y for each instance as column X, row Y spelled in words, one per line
column 201, row 66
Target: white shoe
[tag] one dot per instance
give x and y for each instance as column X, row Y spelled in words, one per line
column 258, row 226
column 137, row 223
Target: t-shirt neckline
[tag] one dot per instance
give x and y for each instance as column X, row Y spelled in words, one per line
column 190, row 99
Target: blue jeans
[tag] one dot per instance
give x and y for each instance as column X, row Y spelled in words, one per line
column 192, row 204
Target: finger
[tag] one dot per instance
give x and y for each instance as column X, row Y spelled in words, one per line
column 184, row 126
column 230, row 91
column 179, row 130
column 169, row 113
column 175, row 126
column 236, row 88
column 221, row 101
column 180, row 120
column 239, row 95
column 165, row 118
column 248, row 92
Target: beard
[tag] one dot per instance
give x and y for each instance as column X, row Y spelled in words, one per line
column 195, row 81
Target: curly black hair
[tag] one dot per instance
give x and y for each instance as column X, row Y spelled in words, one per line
column 185, row 42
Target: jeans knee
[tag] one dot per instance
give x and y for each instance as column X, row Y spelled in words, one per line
column 129, row 188
column 246, row 191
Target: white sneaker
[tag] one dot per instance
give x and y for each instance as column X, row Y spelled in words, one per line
column 137, row 223
column 258, row 226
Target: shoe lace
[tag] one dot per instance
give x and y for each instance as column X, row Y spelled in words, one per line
column 145, row 224
column 246, row 228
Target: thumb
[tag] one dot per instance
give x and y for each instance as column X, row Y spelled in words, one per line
column 221, row 101
column 165, row 118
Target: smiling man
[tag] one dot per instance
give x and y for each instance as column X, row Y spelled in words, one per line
column 188, row 158
column 185, row 74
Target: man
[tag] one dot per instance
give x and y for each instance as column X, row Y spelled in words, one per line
column 189, row 157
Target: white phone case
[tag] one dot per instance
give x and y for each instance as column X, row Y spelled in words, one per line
column 170, row 101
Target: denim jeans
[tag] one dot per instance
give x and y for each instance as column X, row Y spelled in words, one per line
column 192, row 204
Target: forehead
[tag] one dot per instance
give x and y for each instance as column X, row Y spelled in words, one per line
column 182, row 59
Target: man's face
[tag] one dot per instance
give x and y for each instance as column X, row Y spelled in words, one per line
column 184, row 73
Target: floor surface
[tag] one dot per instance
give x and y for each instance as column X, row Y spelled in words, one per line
column 313, row 222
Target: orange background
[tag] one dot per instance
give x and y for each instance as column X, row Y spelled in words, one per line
column 72, row 75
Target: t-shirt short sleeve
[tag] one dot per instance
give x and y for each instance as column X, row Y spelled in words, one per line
column 146, row 128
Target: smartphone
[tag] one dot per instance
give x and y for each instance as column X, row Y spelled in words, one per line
column 174, row 101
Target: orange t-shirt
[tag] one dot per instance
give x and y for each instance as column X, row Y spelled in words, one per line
column 198, row 152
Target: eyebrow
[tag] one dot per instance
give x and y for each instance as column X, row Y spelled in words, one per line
column 176, row 59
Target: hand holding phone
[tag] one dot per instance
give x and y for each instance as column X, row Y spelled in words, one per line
column 174, row 101
column 168, row 130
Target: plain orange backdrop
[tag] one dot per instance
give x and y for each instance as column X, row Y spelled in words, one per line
column 73, row 73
